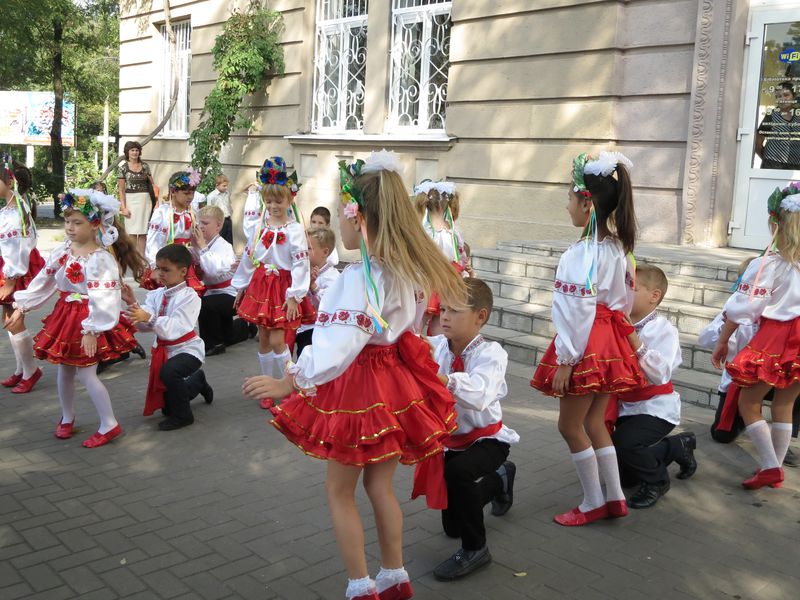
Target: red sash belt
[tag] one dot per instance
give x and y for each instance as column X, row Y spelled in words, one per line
column 640, row 395
column 465, row 440
column 155, row 387
column 730, row 409
column 220, row 285
column 603, row 313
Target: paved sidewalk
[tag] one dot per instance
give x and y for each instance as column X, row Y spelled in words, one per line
column 228, row 509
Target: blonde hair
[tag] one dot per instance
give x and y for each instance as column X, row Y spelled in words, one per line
column 324, row 236
column 214, row 212
column 280, row 191
column 220, row 178
column 788, row 236
column 433, row 201
column 397, row 239
column 653, row 278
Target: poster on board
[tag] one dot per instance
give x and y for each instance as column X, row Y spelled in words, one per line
column 26, row 119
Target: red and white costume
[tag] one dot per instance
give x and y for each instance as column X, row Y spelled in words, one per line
column 215, row 261
column 325, row 279
column 274, row 268
column 446, row 241
column 253, row 213
column 773, row 304
column 591, row 332
column 90, row 302
column 19, row 258
column 370, row 396
column 168, row 226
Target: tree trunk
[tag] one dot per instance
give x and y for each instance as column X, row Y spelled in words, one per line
column 56, row 147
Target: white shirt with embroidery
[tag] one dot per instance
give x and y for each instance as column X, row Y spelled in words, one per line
column 575, row 306
column 326, row 278
column 220, row 199
column 344, row 326
column 94, row 277
column 479, row 388
column 176, row 319
column 283, row 248
column 333, row 258
column 15, row 248
column 776, row 294
column 443, row 238
column 659, row 360
column 158, row 232
column 709, row 337
column 253, row 210
column 215, row 261
column 198, row 201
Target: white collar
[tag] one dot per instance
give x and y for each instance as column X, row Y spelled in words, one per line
column 469, row 348
column 638, row 326
column 174, row 289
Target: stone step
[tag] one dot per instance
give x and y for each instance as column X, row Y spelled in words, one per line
column 515, row 310
column 716, row 264
column 530, row 278
column 525, row 351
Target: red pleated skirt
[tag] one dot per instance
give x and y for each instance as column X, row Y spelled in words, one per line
column 35, row 264
column 263, row 301
column 609, row 364
column 772, row 356
column 59, row 341
column 388, row 404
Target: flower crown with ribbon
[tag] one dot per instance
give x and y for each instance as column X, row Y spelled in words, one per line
column 184, row 180
column 787, row 199
column 274, row 172
column 98, row 208
column 604, row 165
column 23, row 202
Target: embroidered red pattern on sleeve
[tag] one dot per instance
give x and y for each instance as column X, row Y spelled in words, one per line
column 572, row 289
column 347, row 317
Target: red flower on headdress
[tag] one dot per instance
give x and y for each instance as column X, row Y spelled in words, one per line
column 75, row 273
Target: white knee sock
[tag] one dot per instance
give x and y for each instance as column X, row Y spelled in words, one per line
column 18, row 368
column 266, row 360
column 781, row 436
column 66, row 392
column 359, row 587
column 586, row 466
column 609, row 472
column 390, row 577
column 280, row 363
column 759, row 435
column 99, row 395
column 23, row 345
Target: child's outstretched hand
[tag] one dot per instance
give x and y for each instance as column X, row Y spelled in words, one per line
column 89, row 344
column 7, row 289
column 127, row 294
column 561, row 380
column 15, row 318
column 291, row 309
column 261, row 386
column 137, row 314
column 719, row 354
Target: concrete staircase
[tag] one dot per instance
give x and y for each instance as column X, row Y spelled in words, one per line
column 521, row 275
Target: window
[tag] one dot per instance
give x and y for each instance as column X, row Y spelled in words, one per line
column 340, row 65
column 178, row 123
column 420, row 64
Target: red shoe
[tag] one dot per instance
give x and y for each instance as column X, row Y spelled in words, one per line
column 576, row 518
column 401, row 591
column 11, row 381
column 266, row 403
column 771, row 477
column 101, row 439
column 26, row 385
column 64, row 430
column 617, row 509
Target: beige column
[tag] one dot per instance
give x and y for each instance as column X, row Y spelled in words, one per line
column 377, row 77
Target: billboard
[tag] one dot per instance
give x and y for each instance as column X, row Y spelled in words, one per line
column 26, row 119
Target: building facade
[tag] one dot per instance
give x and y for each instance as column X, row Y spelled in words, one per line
column 498, row 96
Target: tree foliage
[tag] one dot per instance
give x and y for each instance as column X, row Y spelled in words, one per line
column 246, row 53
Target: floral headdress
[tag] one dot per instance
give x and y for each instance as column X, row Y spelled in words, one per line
column 353, row 199
column 99, row 208
column 184, row 180
column 23, row 204
column 447, row 190
column 275, row 172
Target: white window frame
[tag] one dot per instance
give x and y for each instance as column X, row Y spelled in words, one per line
column 327, row 26
column 402, row 14
column 178, row 124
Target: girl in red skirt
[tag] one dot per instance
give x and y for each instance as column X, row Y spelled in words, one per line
column 83, row 328
column 19, row 263
column 438, row 202
column 768, row 295
column 171, row 223
column 274, row 274
column 366, row 393
column 590, row 357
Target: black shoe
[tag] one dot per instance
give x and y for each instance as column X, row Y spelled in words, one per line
column 503, row 501
column 139, row 351
column 252, row 330
column 648, row 494
column 687, row 461
column 790, row 460
column 171, row 423
column 214, row 350
column 462, row 563
column 207, row 393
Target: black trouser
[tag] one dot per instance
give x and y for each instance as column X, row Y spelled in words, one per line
column 472, row 482
column 302, row 340
column 643, row 450
column 184, row 379
column 226, row 233
column 725, row 437
column 217, row 325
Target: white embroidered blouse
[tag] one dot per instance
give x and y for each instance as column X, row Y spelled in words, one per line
column 94, row 277
column 166, row 226
column 776, row 294
column 709, row 337
column 574, row 304
column 215, row 261
column 253, row 210
column 15, row 248
column 173, row 319
column 443, row 238
column 326, row 278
